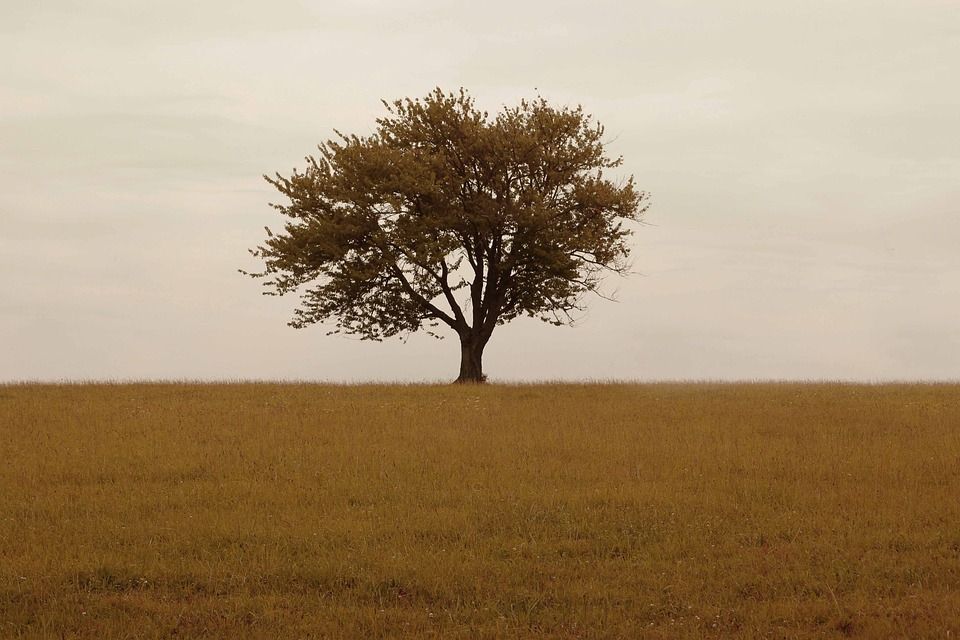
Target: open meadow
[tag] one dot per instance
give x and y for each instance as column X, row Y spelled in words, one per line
column 495, row 511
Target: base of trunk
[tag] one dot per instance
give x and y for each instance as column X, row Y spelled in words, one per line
column 461, row 380
column 471, row 364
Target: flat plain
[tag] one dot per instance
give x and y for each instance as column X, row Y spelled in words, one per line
column 260, row 510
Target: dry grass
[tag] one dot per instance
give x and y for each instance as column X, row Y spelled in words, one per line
column 595, row 511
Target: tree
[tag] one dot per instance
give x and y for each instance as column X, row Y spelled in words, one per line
column 445, row 215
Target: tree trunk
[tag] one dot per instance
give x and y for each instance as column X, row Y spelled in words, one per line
column 471, row 360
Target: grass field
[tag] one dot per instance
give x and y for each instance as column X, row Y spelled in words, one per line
column 564, row 511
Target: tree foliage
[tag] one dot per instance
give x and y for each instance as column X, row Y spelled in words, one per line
column 446, row 215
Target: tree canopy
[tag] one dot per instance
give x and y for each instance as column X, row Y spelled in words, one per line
column 446, row 216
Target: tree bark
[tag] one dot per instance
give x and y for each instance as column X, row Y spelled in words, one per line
column 471, row 360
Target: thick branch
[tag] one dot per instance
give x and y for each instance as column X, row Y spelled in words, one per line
column 419, row 299
column 448, row 294
column 476, row 289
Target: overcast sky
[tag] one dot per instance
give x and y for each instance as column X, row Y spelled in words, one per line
column 802, row 158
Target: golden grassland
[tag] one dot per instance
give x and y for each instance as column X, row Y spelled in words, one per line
column 495, row 511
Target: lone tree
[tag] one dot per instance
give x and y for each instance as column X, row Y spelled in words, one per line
column 446, row 215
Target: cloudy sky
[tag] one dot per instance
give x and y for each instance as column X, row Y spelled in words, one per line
column 802, row 157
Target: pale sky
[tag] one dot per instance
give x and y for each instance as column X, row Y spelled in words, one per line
column 803, row 160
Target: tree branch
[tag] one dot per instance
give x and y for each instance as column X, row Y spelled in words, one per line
column 419, row 299
column 448, row 294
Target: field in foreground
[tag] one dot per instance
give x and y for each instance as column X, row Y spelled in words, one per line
column 594, row 511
